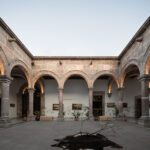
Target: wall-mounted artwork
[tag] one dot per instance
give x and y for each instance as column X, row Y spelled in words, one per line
column 55, row 106
column 12, row 105
column 76, row 106
column 110, row 104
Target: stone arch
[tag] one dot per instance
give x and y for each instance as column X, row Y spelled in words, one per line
column 78, row 73
column 24, row 68
column 4, row 61
column 43, row 73
column 41, row 83
column 110, row 86
column 105, row 72
column 132, row 62
column 146, row 61
column 23, row 88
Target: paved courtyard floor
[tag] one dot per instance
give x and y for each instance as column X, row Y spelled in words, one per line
column 40, row 135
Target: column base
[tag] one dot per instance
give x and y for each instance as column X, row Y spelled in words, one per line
column 144, row 121
column 91, row 118
column 30, row 118
column 60, row 118
column 4, row 122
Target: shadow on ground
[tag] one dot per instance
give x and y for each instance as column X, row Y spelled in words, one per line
column 85, row 140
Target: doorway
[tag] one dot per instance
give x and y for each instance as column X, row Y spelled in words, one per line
column 37, row 100
column 138, row 107
column 25, row 104
column 98, row 105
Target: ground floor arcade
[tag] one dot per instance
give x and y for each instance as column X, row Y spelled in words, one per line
column 105, row 98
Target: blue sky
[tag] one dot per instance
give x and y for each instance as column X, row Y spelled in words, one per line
column 75, row 27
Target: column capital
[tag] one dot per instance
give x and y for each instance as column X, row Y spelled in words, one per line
column 90, row 88
column 31, row 90
column 121, row 88
column 60, row 89
column 4, row 78
column 144, row 77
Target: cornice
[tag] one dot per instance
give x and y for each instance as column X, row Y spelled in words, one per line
column 135, row 37
column 13, row 35
column 75, row 58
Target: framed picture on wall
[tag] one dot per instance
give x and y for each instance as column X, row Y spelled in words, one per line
column 12, row 105
column 55, row 106
column 110, row 105
column 76, row 106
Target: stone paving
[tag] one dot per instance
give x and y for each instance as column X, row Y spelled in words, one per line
column 40, row 135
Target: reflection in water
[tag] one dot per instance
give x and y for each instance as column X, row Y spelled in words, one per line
column 85, row 141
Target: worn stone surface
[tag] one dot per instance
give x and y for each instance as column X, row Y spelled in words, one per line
column 41, row 135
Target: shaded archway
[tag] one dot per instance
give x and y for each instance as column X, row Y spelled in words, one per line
column 105, row 95
column 132, row 92
column 46, row 95
column 75, row 96
column 19, row 101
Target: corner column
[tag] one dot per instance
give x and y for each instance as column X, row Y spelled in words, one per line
column 120, row 102
column 31, row 96
column 91, row 103
column 5, row 101
column 61, row 107
column 145, row 119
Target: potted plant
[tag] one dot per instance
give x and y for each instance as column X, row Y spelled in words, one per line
column 37, row 115
column 116, row 111
column 76, row 115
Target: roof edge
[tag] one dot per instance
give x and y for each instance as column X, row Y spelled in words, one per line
column 13, row 35
column 137, row 35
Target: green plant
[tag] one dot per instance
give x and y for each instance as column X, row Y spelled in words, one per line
column 116, row 111
column 37, row 115
column 76, row 114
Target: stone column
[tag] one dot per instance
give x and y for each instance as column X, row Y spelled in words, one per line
column 5, row 101
column 120, row 102
column 43, row 104
column 145, row 119
column 31, row 98
column 61, row 107
column 91, row 103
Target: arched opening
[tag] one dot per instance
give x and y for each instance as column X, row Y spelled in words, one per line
column 105, row 96
column 46, row 96
column 24, row 102
column 76, row 100
column 132, row 106
column 19, row 101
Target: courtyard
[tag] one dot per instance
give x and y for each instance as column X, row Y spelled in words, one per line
column 40, row 135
